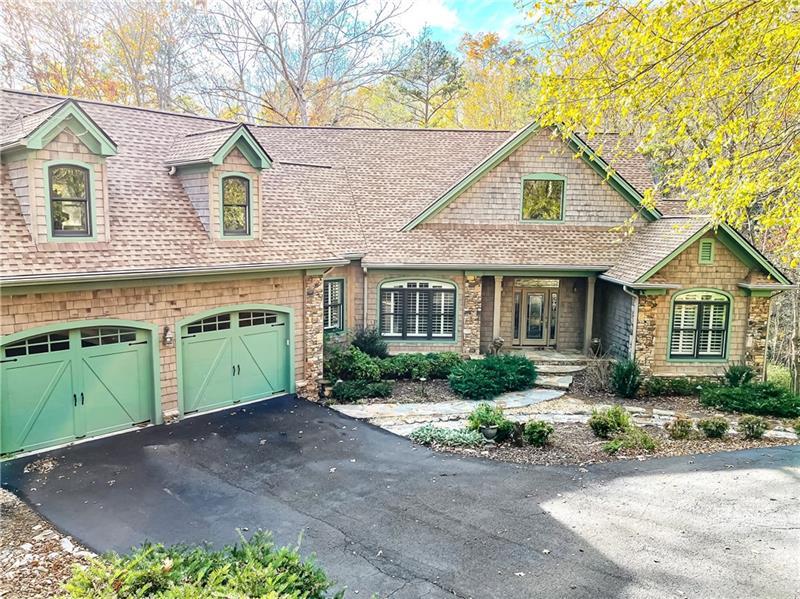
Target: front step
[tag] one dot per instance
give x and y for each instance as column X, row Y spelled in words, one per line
column 559, row 368
column 554, row 381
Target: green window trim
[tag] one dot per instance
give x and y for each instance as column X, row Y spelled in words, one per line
column 91, row 202
column 684, row 298
column 706, row 251
column 333, row 305
column 543, row 177
column 249, row 234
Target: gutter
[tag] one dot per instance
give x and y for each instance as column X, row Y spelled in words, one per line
column 640, row 285
column 484, row 267
column 51, row 279
column 767, row 286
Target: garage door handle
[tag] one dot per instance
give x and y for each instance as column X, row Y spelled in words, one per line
column 81, row 398
column 238, row 369
column 74, row 400
column 234, row 369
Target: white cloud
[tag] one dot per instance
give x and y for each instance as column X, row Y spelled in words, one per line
column 431, row 13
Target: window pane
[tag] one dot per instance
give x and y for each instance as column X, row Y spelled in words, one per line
column 541, row 200
column 391, row 313
column 711, row 343
column 68, row 182
column 234, row 191
column 69, row 215
column 234, row 219
column 444, row 314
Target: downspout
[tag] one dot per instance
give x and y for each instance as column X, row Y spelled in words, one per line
column 634, row 320
column 364, row 297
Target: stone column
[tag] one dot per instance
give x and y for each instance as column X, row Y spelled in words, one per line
column 312, row 335
column 471, row 332
column 646, row 332
column 755, row 347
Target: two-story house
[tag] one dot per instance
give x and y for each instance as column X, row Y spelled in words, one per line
column 163, row 264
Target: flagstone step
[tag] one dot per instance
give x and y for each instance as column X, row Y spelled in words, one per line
column 547, row 368
column 554, row 381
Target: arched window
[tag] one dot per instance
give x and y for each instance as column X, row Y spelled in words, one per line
column 235, row 206
column 699, row 325
column 70, row 201
column 418, row 310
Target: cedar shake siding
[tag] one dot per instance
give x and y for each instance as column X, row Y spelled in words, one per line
column 164, row 305
column 613, row 319
column 496, row 198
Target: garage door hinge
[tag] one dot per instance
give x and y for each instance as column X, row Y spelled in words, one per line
column 138, row 342
column 8, row 360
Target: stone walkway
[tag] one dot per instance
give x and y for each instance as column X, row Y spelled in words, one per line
column 543, row 404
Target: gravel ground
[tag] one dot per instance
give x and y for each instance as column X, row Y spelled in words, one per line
column 417, row 392
column 35, row 559
column 575, row 444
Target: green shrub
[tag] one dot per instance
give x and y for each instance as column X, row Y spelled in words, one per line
column 515, row 373
column 486, row 414
column 370, row 342
column 714, row 428
column 406, row 366
column 752, row 427
column 633, row 438
column 626, row 378
column 658, row 386
column 738, row 375
column 610, row 421
column 538, row 432
column 680, row 428
column 254, row 568
column 780, row 376
column 471, row 379
column 433, row 435
column 487, row 378
column 796, row 427
column 442, row 363
column 351, row 364
column 350, row 391
column 763, row 399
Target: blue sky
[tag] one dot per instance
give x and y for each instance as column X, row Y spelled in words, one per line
column 450, row 19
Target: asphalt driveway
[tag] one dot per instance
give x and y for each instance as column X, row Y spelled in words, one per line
column 390, row 518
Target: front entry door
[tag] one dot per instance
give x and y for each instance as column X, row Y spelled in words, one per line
column 538, row 316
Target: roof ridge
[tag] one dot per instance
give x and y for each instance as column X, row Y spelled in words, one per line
column 214, row 130
column 365, row 128
column 112, row 104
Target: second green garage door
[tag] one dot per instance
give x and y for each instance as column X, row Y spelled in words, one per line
column 234, row 357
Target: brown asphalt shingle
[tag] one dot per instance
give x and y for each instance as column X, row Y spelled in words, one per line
column 330, row 192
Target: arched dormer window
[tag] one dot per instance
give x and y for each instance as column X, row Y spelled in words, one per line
column 235, row 206
column 699, row 325
column 412, row 310
column 70, row 200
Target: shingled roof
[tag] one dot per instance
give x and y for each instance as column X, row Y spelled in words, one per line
column 330, row 192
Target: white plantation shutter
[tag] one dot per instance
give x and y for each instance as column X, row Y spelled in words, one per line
column 699, row 324
column 444, row 314
column 684, row 323
column 418, row 309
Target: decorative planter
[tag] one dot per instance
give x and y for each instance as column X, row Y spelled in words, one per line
column 488, row 432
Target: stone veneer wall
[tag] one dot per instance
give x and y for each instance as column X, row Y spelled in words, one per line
column 165, row 304
column 313, row 334
column 472, row 315
column 748, row 315
column 487, row 313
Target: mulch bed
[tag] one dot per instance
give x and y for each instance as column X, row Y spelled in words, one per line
column 416, row 392
column 35, row 559
column 576, row 445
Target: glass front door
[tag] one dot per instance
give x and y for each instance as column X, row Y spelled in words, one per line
column 536, row 317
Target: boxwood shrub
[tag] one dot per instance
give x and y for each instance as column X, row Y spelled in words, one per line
column 350, row 364
column 254, row 568
column 491, row 376
column 763, row 399
column 607, row 422
column 350, row 391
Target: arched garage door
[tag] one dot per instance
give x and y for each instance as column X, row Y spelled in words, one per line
column 73, row 383
column 236, row 356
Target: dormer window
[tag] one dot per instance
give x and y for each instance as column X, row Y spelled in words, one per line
column 69, row 188
column 235, row 206
column 543, row 197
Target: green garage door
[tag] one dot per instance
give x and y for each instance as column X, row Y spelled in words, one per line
column 234, row 357
column 66, row 385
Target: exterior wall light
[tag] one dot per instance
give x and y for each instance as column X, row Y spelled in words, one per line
column 169, row 336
